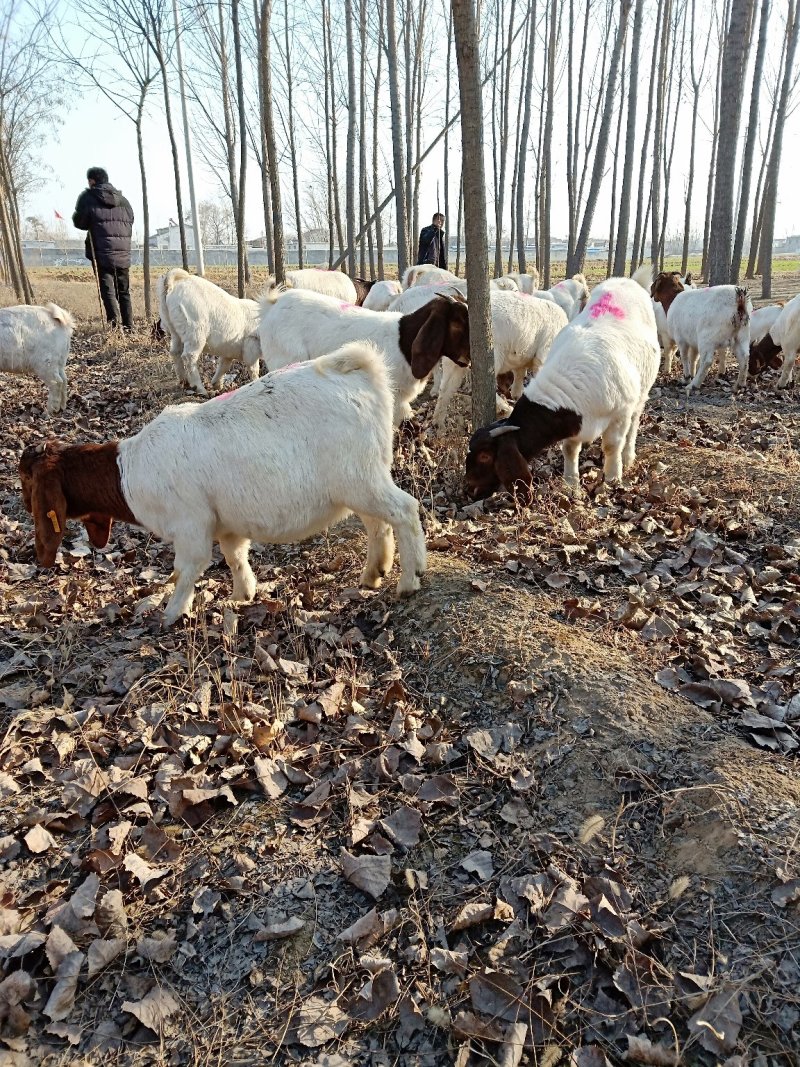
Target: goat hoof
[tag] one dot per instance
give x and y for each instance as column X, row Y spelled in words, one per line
column 408, row 585
column 370, row 579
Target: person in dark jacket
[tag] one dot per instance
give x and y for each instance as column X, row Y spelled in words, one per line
column 106, row 214
column 433, row 243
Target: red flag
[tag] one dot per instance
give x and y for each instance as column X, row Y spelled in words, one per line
column 59, row 217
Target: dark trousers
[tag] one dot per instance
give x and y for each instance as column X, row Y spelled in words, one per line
column 116, row 293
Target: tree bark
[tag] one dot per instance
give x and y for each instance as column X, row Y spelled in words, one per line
column 241, row 247
column 397, row 140
column 547, row 191
column 375, row 111
column 771, row 185
column 350, row 178
column 658, row 136
column 362, row 143
column 731, row 89
column 610, row 259
column 696, row 79
column 148, row 310
column 623, row 226
column 292, row 144
column 480, row 321
column 523, row 141
column 602, row 143
column 268, row 121
column 750, row 143
column 175, row 163
column 639, row 229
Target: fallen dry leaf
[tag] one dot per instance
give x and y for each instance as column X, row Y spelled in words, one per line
column 153, row 1009
column 371, row 874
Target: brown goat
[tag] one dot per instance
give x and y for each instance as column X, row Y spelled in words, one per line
column 666, row 287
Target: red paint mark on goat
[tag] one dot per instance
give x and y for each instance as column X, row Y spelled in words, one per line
column 221, row 396
column 606, row 306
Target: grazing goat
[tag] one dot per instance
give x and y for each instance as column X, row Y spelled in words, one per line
column 764, row 353
column 570, row 295
column 276, row 461
column 664, row 289
column 523, row 330
column 785, row 333
column 381, row 295
column 594, row 383
column 526, row 283
column 297, row 326
column 34, row 341
column 706, row 322
column 328, row 282
column 426, row 274
column 198, row 316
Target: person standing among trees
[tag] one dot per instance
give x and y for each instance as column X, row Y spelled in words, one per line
column 433, row 243
column 106, row 214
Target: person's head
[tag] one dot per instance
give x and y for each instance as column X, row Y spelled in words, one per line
column 96, row 176
column 438, row 220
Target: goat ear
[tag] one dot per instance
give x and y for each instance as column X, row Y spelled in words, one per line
column 426, row 351
column 98, row 528
column 49, row 508
column 512, row 468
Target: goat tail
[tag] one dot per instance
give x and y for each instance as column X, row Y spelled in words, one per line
column 356, row 356
column 644, row 277
column 742, row 313
column 60, row 316
column 166, row 283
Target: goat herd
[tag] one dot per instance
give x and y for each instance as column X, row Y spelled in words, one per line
column 283, row 457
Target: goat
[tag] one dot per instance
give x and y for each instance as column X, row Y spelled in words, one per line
column 764, row 353
column 785, row 332
column 198, row 316
column 426, row 274
column 381, row 295
column 523, row 330
column 704, row 323
column 526, row 283
column 570, row 295
column 299, row 325
column 276, row 461
column 665, row 287
column 34, row 341
column 317, row 280
column 594, row 383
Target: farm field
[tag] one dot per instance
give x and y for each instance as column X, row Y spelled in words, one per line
column 546, row 811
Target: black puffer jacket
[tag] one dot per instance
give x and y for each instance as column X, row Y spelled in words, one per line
column 107, row 215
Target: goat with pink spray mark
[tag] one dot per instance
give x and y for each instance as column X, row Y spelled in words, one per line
column 606, row 306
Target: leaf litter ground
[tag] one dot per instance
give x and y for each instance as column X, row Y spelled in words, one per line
column 545, row 812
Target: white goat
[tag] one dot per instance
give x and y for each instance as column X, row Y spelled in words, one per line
column 526, row 283
column 665, row 288
column 426, row 274
column 381, row 295
column 199, row 316
column 34, row 341
column 317, row 280
column 785, row 332
column 523, row 330
column 762, row 320
column 706, row 322
column 594, row 383
column 570, row 295
column 276, row 461
column 298, row 325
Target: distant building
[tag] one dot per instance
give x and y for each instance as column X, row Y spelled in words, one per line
column 169, row 236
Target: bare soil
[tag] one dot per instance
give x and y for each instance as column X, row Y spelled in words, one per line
column 547, row 811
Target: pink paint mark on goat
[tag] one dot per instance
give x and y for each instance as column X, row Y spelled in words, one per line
column 289, row 366
column 221, row 396
column 344, row 306
column 606, row 306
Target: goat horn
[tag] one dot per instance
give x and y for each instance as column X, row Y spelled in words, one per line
column 498, row 431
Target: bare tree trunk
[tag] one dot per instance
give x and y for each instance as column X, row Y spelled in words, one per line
column 498, row 259
column 175, row 164
column 658, row 136
column 623, row 227
column 673, row 114
column 512, row 234
column 350, row 179
column 771, row 185
column 460, row 219
column 241, row 247
column 523, row 140
column 362, row 144
column 418, row 95
column 268, row 121
column 230, row 139
column 397, row 140
column 292, row 145
column 480, row 320
column 546, row 146
column 446, row 175
column 375, row 105
column 610, row 258
column 328, row 161
column 732, row 88
column 639, row 229
column 750, row 143
column 148, row 309
column 714, row 146
column 690, row 180
column 602, row 142
column 758, row 200
column 334, row 164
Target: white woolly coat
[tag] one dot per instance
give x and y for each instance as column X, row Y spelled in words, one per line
column 604, row 363
column 785, row 332
column 330, row 282
column 299, row 325
column 34, row 341
column 381, row 295
column 703, row 322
